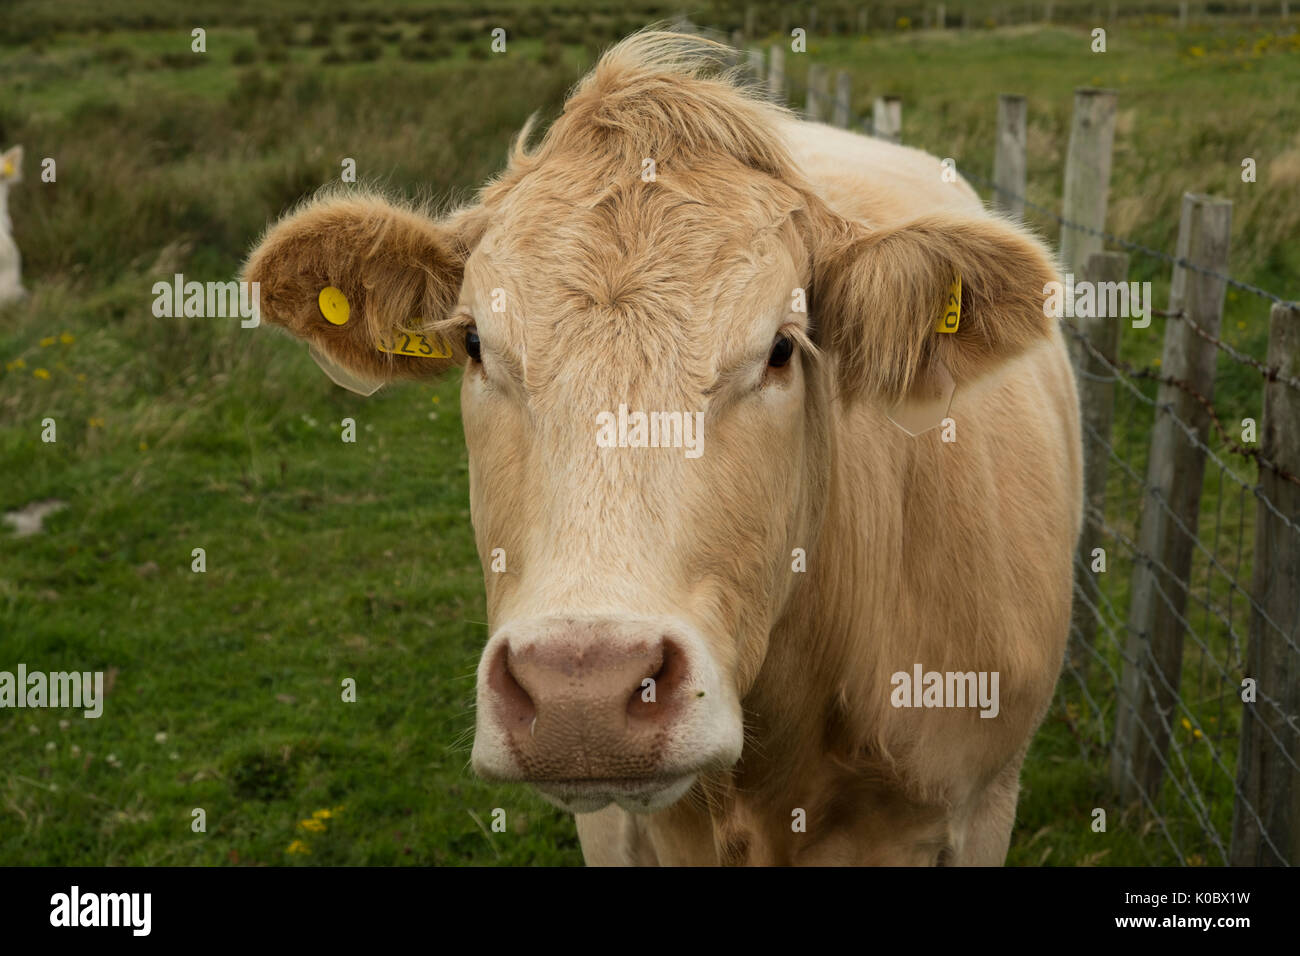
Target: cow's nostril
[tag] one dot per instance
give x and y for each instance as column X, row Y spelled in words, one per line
column 517, row 707
column 654, row 698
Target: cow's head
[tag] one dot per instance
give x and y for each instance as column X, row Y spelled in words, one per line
column 631, row 591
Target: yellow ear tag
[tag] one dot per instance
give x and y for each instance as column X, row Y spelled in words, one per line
column 333, row 305
column 9, row 167
column 413, row 343
column 951, row 316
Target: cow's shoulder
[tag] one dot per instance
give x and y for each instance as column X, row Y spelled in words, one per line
column 874, row 180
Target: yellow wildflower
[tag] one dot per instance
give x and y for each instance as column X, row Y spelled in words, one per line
column 42, row 373
column 297, row 846
column 48, row 341
column 313, row 826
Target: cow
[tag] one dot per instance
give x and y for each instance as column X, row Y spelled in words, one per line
column 708, row 659
column 11, row 173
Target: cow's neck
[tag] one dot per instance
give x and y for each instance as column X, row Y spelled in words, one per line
column 809, row 714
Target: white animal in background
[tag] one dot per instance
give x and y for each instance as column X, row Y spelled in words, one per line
column 11, row 172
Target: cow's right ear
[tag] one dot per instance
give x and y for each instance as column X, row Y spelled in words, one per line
column 359, row 278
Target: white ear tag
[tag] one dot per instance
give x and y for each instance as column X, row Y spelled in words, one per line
column 341, row 376
column 928, row 404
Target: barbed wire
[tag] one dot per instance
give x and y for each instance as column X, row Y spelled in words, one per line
column 1270, row 373
column 1189, row 430
column 1154, row 374
column 1130, row 244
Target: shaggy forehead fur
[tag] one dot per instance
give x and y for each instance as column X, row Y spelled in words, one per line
column 664, row 268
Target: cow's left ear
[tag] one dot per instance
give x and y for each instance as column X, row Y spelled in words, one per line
column 362, row 280
column 880, row 298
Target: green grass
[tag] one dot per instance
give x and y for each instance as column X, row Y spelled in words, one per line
column 328, row 560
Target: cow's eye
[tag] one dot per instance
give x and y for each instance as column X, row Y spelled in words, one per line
column 472, row 346
column 782, row 349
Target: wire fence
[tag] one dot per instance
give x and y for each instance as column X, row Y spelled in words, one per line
column 1186, row 713
column 1182, row 677
column 1195, row 797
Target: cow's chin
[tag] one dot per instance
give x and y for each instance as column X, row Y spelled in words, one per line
column 635, row 796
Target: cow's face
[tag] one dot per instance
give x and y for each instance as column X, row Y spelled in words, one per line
column 601, row 315
column 643, row 467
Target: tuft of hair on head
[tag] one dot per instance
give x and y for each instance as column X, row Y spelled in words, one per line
column 663, row 95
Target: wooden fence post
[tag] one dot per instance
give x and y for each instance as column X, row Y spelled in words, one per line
column 1097, row 404
column 776, row 73
column 1087, row 175
column 1171, row 503
column 1268, row 785
column 1009, row 157
column 1182, row 14
column 940, row 17
column 1047, row 14
column 843, row 98
column 818, row 93
column 887, row 118
column 864, row 19
column 1087, row 181
column 750, row 17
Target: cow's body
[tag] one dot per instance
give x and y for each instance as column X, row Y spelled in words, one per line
column 955, row 556
column 695, row 653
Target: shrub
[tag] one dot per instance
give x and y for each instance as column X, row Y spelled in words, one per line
column 322, row 34
column 416, row 50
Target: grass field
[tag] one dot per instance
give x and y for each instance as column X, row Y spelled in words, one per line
column 327, row 560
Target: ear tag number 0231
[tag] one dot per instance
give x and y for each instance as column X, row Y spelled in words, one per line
column 415, row 344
